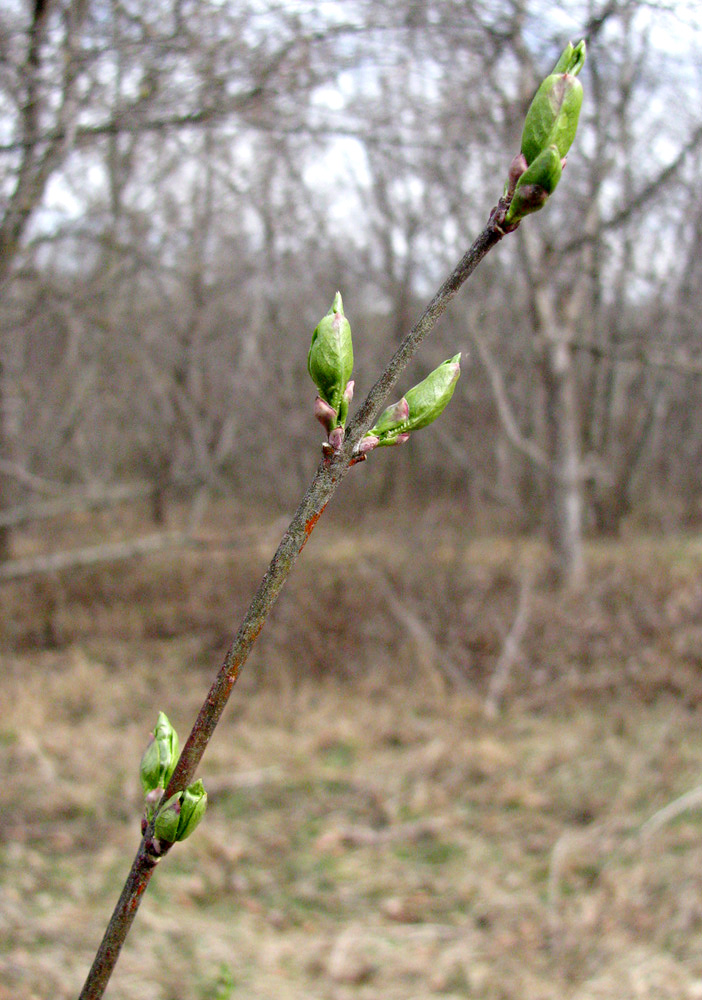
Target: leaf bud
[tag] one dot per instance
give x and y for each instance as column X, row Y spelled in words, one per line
column 330, row 363
column 429, row 398
column 535, row 185
column 552, row 118
column 418, row 408
column 160, row 757
column 179, row 816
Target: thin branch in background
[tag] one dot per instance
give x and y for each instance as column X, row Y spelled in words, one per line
column 93, row 498
column 568, row 842
column 674, row 360
column 649, row 191
column 504, row 409
column 684, row 803
column 601, row 843
column 365, row 836
column 510, row 649
column 434, row 662
column 91, row 555
column 13, row 470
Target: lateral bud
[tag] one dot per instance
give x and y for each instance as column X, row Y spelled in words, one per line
column 179, row 816
column 516, row 169
column 419, row 407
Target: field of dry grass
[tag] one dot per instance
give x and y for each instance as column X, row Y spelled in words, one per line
column 371, row 832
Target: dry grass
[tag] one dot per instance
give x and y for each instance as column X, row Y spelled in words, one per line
column 371, row 834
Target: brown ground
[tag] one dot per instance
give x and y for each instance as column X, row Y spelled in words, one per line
column 371, row 833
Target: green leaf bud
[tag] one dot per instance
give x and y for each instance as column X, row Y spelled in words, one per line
column 179, row 816
column 330, row 363
column 418, row 408
column 535, row 185
column 429, row 398
column 552, row 118
column 160, row 757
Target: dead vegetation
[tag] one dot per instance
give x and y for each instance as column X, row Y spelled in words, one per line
column 371, row 832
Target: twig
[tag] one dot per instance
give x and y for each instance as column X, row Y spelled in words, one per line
column 674, row 359
column 90, row 555
column 330, row 472
column 504, row 410
column 366, row 836
column 649, row 191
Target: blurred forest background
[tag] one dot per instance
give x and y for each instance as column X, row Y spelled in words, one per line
column 441, row 774
column 185, row 186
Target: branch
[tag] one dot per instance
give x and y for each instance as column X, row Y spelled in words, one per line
column 69, row 503
column 675, row 360
column 437, row 664
column 40, row 154
column 327, row 480
column 92, row 554
column 13, row 470
column 684, row 803
column 364, row 836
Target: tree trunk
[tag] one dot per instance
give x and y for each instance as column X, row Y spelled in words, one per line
column 555, row 334
column 5, row 530
column 565, row 493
